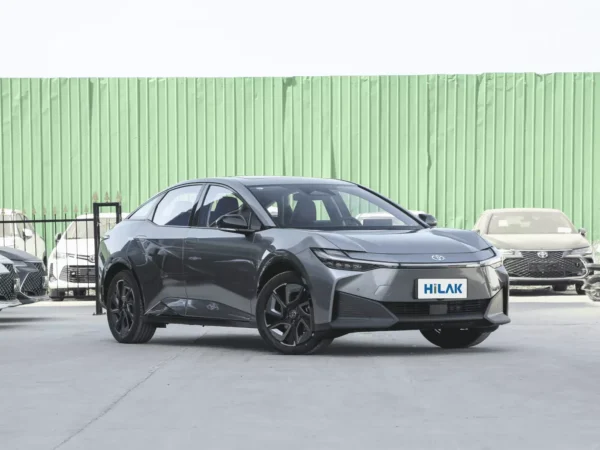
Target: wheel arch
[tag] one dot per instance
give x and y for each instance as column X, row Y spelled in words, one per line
column 112, row 270
column 276, row 264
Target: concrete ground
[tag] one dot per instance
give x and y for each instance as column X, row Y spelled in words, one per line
column 66, row 384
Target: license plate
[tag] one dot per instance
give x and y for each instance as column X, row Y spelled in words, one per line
column 442, row 288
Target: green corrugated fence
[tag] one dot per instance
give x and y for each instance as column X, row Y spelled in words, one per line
column 449, row 145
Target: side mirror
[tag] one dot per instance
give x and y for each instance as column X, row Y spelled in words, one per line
column 234, row 222
column 27, row 234
column 428, row 219
column 57, row 237
column 582, row 231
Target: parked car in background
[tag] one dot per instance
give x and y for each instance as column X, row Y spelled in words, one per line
column 31, row 274
column 540, row 247
column 8, row 284
column 21, row 236
column 71, row 264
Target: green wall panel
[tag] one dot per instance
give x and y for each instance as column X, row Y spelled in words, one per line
column 451, row 145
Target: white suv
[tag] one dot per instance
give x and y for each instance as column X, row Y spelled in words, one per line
column 21, row 236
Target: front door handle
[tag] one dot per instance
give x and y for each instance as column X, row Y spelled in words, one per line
column 195, row 258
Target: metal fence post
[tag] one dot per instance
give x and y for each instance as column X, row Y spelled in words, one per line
column 96, row 207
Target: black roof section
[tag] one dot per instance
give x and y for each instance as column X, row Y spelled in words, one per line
column 267, row 180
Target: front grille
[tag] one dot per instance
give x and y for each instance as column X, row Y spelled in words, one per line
column 33, row 284
column 78, row 274
column 7, row 284
column 553, row 266
column 454, row 307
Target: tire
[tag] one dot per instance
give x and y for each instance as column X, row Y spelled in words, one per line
column 560, row 288
column 456, row 338
column 288, row 288
column 56, row 295
column 125, row 312
column 579, row 289
column 594, row 295
column 79, row 293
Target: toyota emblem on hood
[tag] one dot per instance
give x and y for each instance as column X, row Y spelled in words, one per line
column 437, row 257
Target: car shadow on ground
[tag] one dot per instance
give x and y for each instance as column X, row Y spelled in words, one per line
column 341, row 347
column 9, row 322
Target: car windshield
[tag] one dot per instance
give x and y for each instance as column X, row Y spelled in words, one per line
column 330, row 207
column 85, row 230
column 530, row 222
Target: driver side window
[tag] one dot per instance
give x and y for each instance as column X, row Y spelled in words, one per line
column 218, row 202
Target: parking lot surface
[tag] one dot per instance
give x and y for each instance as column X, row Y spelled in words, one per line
column 66, row 384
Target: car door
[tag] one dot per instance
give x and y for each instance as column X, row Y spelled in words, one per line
column 157, row 250
column 221, row 266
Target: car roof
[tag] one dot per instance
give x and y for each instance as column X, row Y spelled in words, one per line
column 267, row 180
column 501, row 210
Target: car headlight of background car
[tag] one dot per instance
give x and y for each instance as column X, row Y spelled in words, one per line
column 584, row 251
column 508, row 253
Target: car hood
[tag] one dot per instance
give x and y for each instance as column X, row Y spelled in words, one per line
column 537, row 241
column 79, row 247
column 17, row 255
column 455, row 245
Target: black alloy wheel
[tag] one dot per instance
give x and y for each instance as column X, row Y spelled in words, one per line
column 124, row 311
column 455, row 337
column 285, row 317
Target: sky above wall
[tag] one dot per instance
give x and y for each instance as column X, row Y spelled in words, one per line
column 226, row 38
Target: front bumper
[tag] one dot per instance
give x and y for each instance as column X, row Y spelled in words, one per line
column 525, row 281
column 71, row 273
column 385, row 299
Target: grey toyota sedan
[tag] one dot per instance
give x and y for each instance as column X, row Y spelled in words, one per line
column 288, row 256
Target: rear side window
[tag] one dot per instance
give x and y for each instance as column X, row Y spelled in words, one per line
column 144, row 210
column 175, row 209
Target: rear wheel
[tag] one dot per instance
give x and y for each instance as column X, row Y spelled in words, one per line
column 56, row 295
column 284, row 315
column 456, row 338
column 559, row 288
column 124, row 311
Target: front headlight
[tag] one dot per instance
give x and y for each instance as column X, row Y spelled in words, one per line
column 584, row 251
column 18, row 264
column 494, row 262
column 508, row 253
column 338, row 259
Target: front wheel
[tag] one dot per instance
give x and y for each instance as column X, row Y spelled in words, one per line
column 593, row 291
column 456, row 338
column 284, row 315
column 124, row 311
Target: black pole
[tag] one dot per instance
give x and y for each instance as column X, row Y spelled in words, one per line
column 96, row 208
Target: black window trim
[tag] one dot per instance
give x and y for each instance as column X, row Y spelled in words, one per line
column 203, row 196
column 164, row 193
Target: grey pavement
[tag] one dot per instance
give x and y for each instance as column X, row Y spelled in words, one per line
column 66, row 384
